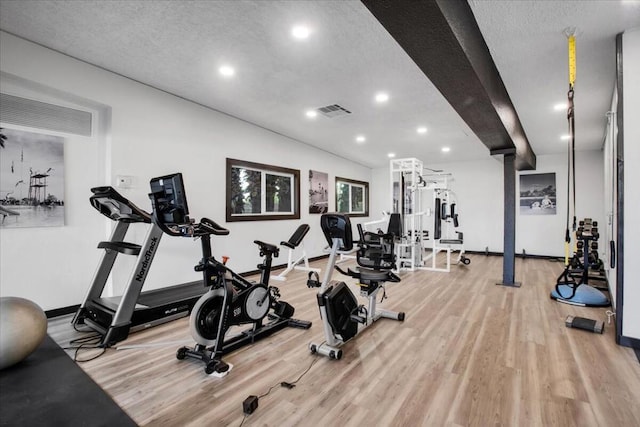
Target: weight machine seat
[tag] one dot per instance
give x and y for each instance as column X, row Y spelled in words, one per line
column 395, row 225
column 367, row 274
column 375, row 250
column 297, row 237
column 267, row 248
column 451, row 241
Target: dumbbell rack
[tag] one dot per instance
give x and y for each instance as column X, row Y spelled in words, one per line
column 586, row 255
column 567, row 289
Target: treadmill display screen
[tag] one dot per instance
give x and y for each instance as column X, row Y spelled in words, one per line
column 170, row 199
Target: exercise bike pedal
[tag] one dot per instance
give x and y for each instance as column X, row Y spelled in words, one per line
column 359, row 319
column 216, row 366
column 360, row 315
column 314, row 280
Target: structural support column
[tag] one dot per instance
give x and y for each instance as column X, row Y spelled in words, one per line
column 509, row 259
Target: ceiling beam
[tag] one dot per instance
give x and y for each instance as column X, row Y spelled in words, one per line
column 443, row 38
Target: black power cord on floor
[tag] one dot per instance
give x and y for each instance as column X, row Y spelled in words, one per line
column 88, row 342
column 250, row 404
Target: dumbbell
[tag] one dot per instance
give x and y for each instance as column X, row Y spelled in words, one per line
column 580, row 244
column 594, row 246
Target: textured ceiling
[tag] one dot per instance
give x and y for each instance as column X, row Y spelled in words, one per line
column 528, row 45
column 178, row 46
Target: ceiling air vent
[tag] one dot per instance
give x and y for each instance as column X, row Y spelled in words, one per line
column 333, row 111
column 28, row 112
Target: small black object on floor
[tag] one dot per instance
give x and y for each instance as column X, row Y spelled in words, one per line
column 585, row 324
column 50, row 389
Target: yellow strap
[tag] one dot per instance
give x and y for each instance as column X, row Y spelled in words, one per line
column 572, row 60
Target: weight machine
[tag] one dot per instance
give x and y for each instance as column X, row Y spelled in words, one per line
column 445, row 238
column 407, row 183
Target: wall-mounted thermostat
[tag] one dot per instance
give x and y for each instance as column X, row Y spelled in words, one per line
column 124, row 181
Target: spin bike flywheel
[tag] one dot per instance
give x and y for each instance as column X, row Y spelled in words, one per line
column 257, row 303
column 205, row 317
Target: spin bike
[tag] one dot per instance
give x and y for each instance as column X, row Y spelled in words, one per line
column 231, row 300
column 342, row 317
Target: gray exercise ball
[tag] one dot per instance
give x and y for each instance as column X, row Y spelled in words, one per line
column 23, row 326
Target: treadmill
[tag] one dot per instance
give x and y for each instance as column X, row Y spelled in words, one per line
column 115, row 317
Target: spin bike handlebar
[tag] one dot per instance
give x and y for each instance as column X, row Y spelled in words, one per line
column 203, row 228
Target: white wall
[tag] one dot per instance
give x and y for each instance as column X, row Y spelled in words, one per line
column 35, row 263
column 478, row 186
column 381, row 196
column 631, row 111
column 152, row 133
column 544, row 235
column 610, row 229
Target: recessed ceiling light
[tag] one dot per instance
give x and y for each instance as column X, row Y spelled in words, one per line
column 227, row 71
column 565, row 137
column 421, row 129
column 560, row 107
column 300, row 32
column 391, row 155
column 360, row 139
column 446, row 149
column 382, row 97
column 311, row 113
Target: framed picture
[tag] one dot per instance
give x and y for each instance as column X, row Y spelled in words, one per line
column 318, row 192
column 31, row 179
column 257, row 192
column 538, row 194
column 352, row 197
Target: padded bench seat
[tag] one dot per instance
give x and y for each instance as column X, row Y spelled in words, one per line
column 451, row 241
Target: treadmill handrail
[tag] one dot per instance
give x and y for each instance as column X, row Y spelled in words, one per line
column 116, row 207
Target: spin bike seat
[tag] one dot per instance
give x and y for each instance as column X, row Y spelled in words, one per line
column 267, row 248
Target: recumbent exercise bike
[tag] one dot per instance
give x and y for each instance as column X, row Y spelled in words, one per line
column 341, row 315
column 231, row 300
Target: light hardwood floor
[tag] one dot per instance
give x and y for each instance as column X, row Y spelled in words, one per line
column 469, row 353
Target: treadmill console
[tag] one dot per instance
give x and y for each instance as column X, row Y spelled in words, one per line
column 169, row 200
